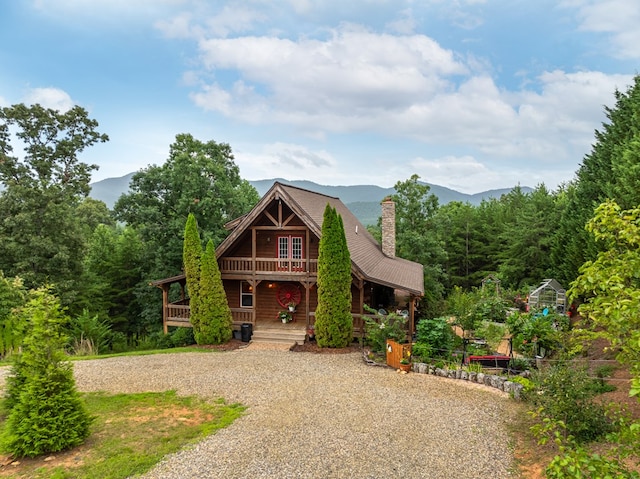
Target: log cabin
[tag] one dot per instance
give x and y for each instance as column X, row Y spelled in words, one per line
column 269, row 265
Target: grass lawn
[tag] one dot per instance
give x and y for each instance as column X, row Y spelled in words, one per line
column 130, row 433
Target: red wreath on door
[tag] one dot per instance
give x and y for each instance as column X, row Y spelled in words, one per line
column 288, row 293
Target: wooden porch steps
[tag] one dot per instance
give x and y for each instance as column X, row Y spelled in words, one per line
column 278, row 335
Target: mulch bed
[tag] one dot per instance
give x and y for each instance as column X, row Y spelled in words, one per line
column 312, row 347
column 307, row 347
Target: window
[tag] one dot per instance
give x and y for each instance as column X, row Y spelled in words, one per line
column 246, row 295
column 290, row 248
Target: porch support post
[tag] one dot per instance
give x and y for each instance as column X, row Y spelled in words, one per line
column 253, row 282
column 412, row 312
column 165, row 307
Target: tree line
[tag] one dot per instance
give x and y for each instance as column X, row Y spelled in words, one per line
column 100, row 262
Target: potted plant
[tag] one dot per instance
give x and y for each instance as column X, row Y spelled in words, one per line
column 285, row 316
column 292, row 307
column 405, row 362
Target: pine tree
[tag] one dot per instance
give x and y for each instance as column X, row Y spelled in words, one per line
column 216, row 322
column 334, row 323
column 45, row 411
column 191, row 257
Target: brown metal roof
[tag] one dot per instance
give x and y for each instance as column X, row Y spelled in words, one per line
column 366, row 253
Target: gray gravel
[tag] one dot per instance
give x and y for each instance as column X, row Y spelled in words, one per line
column 321, row 416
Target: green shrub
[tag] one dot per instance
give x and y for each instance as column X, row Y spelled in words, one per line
column 528, row 386
column 12, row 295
column 437, row 335
column 45, row 412
column 89, row 335
column 383, row 327
column 566, row 394
column 181, row 337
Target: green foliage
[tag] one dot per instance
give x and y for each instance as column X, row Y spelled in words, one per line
column 89, row 335
column 610, row 285
column 181, row 337
column 417, row 238
column 434, row 338
column 492, row 333
column 45, row 412
column 191, row 257
column 462, row 306
column 565, row 394
column 528, row 386
column 574, row 460
column 383, row 327
column 532, row 331
column 198, row 177
column 12, row 296
column 609, row 171
column 41, row 239
column 216, row 323
column 334, row 323
column 113, row 279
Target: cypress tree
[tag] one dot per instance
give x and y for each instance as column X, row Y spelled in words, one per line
column 334, row 324
column 216, row 322
column 191, row 256
column 45, row 411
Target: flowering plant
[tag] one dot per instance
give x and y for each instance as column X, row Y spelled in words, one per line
column 285, row 316
column 406, row 357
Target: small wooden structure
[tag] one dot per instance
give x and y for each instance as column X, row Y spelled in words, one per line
column 549, row 294
column 269, row 263
column 396, row 352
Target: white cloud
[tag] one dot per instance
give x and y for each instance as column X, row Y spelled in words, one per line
column 50, row 97
column 619, row 18
column 342, row 83
column 289, row 161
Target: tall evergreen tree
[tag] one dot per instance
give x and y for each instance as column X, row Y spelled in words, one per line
column 611, row 170
column 192, row 254
column 334, row 323
column 216, row 322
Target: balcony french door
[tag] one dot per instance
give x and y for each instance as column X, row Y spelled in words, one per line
column 290, row 249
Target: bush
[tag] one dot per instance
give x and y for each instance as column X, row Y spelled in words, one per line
column 534, row 332
column 435, row 337
column 45, row 412
column 378, row 330
column 566, row 394
column 89, row 335
column 181, row 337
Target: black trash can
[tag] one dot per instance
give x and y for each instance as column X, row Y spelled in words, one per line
column 245, row 332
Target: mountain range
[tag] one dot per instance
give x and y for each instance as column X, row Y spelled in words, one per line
column 362, row 200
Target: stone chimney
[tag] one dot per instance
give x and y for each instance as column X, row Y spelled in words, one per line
column 389, row 227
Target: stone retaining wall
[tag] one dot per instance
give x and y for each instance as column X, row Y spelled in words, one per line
column 492, row 380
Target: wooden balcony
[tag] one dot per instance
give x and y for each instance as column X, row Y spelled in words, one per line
column 269, row 266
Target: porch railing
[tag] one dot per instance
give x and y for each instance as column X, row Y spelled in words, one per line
column 178, row 315
column 268, row 265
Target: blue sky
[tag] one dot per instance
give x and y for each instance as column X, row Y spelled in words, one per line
column 468, row 94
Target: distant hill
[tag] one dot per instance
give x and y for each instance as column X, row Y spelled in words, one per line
column 362, row 200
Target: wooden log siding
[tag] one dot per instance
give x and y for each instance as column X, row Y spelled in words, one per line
column 268, row 265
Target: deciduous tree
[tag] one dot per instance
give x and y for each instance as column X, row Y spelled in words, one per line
column 40, row 237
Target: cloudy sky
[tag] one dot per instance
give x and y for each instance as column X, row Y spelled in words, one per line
column 468, row 94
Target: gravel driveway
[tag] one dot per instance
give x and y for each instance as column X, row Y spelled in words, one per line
column 321, row 416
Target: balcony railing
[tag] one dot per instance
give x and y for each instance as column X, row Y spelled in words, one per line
column 268, row 265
